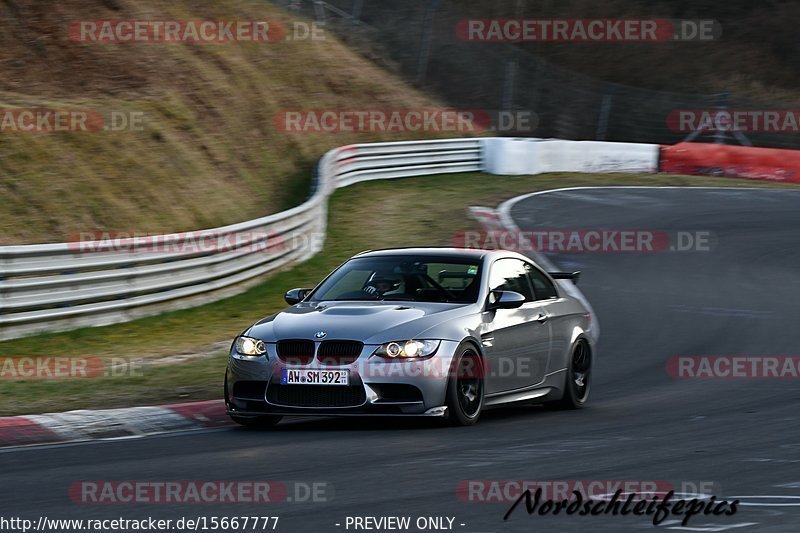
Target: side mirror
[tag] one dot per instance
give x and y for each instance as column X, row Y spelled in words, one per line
column 504, row 300
column 295, row 296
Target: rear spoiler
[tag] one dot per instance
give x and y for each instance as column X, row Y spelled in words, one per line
column 574, row 276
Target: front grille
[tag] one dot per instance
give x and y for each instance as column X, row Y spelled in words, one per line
column 315, row 395
column 339, row 352
column 296, row 352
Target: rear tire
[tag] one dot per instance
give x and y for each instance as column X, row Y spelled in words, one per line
column 578, row 380
column 465, row 388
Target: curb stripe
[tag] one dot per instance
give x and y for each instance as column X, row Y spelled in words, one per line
column 210, row 414
column 86, row 425
column 21, row 432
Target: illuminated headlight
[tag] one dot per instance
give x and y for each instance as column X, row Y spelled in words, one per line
column 248, row 346
column 407, row 349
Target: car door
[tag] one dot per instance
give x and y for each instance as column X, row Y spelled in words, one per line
column 517, row 341
column 551, row 306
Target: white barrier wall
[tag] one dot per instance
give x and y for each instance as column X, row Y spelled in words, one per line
column 56, row 287
column 511, row 156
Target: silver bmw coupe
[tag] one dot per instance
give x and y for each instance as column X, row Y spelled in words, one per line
column 437, row 332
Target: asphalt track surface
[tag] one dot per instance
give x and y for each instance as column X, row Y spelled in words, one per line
column 740, row 298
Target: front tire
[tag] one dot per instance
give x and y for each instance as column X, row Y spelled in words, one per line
column 465, row 388
column 578, row 378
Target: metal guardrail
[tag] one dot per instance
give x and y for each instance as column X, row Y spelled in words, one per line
column 58, row 287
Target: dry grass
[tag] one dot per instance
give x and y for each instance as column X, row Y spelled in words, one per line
column 208, row 154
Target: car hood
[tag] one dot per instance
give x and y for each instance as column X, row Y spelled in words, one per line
column 369, row 322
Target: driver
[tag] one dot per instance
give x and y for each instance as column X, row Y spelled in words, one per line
column 383, row 283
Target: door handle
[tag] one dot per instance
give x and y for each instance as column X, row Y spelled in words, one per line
column 542, row 318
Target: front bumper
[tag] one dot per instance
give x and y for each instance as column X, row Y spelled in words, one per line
column 435, row 412
column 377, row 386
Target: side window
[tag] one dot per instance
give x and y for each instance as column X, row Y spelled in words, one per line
column 542, row 286
column 510, row 275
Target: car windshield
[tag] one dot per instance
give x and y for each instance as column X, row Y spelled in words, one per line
column 403, row 278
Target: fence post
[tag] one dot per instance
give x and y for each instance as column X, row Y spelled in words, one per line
column 510, row 80
column 532, row 91
column 512, row 64
column 719, row 135
column 358, row 6
column 427, row 37
column 602, row 121
column 319, row 11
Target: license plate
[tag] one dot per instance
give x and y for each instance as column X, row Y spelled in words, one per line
column 315, row 377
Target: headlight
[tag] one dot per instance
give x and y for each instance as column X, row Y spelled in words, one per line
column 407, row 349
column 248, row 346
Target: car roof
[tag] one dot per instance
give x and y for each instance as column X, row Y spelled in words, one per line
column 463, row 253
